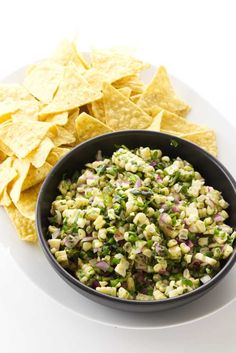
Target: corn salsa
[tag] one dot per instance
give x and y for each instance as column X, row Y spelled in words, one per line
column 140, row 225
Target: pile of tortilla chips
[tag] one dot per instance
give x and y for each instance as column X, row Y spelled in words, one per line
column 65, row 100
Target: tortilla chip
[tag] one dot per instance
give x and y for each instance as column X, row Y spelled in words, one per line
column 116, row 63
column 126, row 91
column 57, row 119
column 14, row 92
column 27, row 110
column 172, row 122
column 7, row 173
column 160, row 93
column 5, row 199
column 133, row 82
column 178, row 134
column 73, row 92
column 43, row 79
column 5, row 149
column 88, row 127
column 38, row 156
column 6, row 109
column 35, row 176
column 67, row 53
column 56, row 154
column 121, row 113
column 22, row 137
column 95, row 78
column 3, row 156
column 156, row 123
column 22, row 168
column 25, row 227
column 97, row 110
column 135, row 98
column 205, row 139
column 63, row 137
column 27, row 203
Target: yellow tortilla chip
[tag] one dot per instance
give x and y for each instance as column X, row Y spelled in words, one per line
column 38, row 156
column 20, row 104
column 27, row 203
column 6, row 109
column 88, row 127
column 5, row 199
column 7, row 173
column 67, row 53
column 35, row 176
column 22, row 137
column 63, row 137
column 133, row 82
column 121, row 113
column 126, row 91
column 73, row 92
column 5, row 149
column 135, row 98
column 22, row 168
column 205, row 139
column 174, row 133
column 97, row 110
column 14, row 92
column 156, row 123
column 95, row 78
column 116, row 63
column 3, row 156
column 160, row 93
column 56, row 154
column 43, row 79
column 28, row 110
column 172, row 122
column 57, row 119
column 25, row 227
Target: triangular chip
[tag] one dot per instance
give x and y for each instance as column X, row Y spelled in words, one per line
column 116, row 63
column 5, row 199
column 73, row 92
column 88, row 127
column 3, row 156
column 7, row 173
column 6, row 109
column 160, row 93
column 67, row 53
column 156, row 123
column 25, row 227
column 35, row 176
column 135, row 98
column 97, row 109
column 22, row 168
column 57, row 119
column 56, row 154
column 27, row 203
column 121, row 113
column 38, row 156
column 22, row 137
column 95, row 78
column 43, row 79
column 133, row 82
column 172, row 122
column 63, row 137
column 205, row 139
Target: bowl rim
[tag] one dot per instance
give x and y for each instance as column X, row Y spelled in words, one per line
column 76, row 283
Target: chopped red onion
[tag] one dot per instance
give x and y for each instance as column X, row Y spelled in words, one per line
column 102, row 265
column 159, row 179
column 95, row 284
column 218, row 218
column 138, row 183
column 175, row 209
column 86, row 239
column 153, row 163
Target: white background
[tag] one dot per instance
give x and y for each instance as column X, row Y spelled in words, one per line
column 196, row 41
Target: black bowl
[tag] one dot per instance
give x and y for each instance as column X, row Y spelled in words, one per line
column 211, row 169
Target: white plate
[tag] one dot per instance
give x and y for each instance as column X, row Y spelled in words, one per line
column 34, row 264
